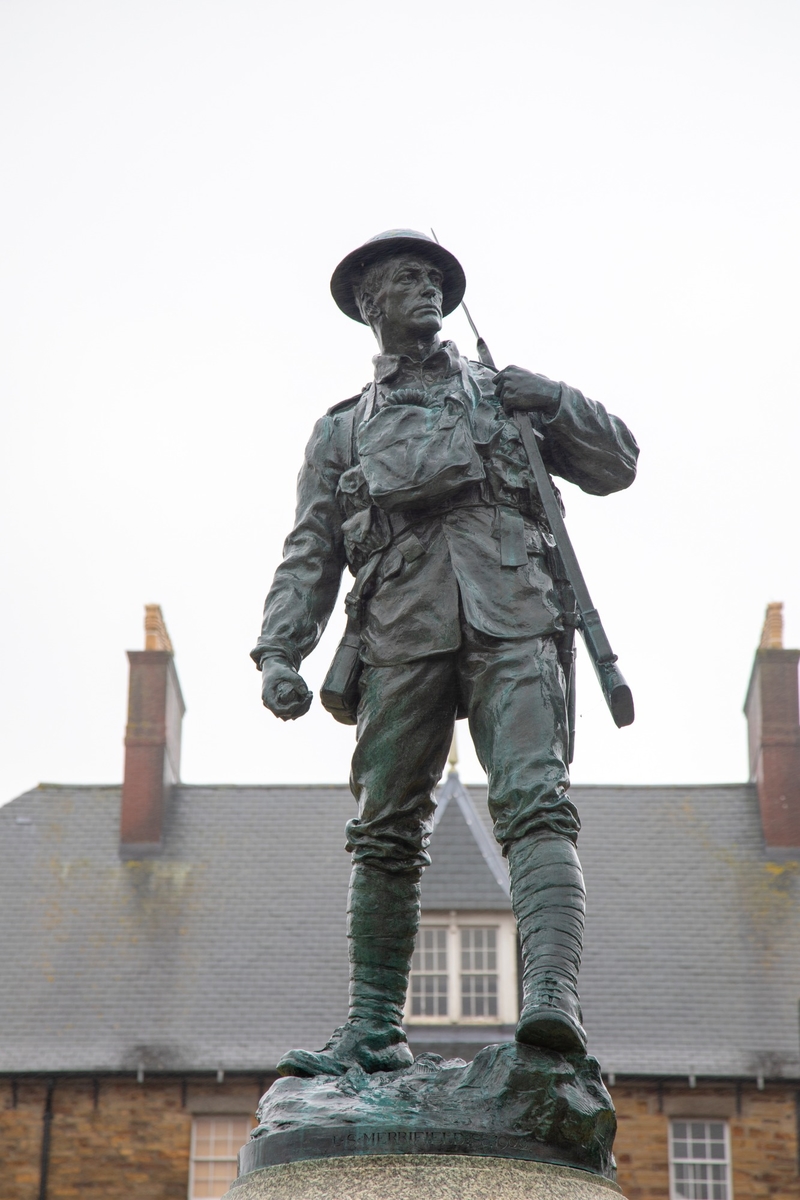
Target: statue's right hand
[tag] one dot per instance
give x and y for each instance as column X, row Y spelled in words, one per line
column 283, row 691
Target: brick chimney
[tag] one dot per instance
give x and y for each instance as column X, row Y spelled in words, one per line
column 152, row 740
column 773, row 726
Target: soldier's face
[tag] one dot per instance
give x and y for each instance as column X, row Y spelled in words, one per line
column 410, row 296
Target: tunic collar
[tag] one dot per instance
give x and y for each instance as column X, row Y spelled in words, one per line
column 445, row 360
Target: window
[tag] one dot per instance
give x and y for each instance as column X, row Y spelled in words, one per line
column 429, row 976
column 479, row 972
column 464, row 970
column 216, row 1141
column 699, row 1160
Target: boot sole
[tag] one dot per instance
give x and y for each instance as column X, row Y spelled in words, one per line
column 305, row 1064
column 551, row 1031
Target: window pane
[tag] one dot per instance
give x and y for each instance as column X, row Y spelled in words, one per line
column 479, row 988
column 202, row 1140
column 430, row 953
column 217, row 1141
column 479, row 949
column 693, row 1144
column 429, row 995
column 429, row 973
column 214, row 1181
column 479, row 995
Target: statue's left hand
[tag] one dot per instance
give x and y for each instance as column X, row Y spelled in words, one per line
column 517, row 388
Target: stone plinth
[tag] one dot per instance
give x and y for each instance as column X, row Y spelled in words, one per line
column 517, row 1122
column 421, row 1177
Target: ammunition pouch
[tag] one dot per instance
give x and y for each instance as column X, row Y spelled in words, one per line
column 339, row 693
column 413, row 456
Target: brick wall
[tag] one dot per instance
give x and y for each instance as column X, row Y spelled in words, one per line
column 114, row 1139
column 21, row 1138
column 119, row 1140
column 763, row 1133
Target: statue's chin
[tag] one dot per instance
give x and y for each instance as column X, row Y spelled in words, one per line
column 426, row 323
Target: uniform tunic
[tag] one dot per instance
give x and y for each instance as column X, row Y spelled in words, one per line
column 461, row 610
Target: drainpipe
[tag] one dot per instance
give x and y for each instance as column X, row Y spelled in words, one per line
column 47, row 1120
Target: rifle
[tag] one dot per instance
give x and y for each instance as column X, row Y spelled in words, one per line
column 612, row 682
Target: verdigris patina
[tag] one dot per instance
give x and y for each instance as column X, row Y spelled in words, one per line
column 421, row 486
column 511, row 1101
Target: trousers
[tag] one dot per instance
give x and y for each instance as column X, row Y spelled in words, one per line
column 513, row 695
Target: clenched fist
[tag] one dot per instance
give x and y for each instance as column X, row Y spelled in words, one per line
column 517, row 388
column 283, row 691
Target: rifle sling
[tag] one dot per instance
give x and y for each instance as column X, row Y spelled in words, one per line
column 592, row 629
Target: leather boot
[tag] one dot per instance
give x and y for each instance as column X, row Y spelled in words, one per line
column 382, row 922
column 548, row 898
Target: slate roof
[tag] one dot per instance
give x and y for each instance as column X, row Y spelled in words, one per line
column 468, row 871
column 229, row 948
column 222, row 952
column 692, row 951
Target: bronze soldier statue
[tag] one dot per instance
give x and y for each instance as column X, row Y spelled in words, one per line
column 421, row 486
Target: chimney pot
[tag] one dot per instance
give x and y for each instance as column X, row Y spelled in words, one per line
column 152, row 740
column 155, row 631
column 772, row 633
column 773, row 722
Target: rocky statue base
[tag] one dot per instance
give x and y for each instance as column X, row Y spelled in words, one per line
column 512, row 1111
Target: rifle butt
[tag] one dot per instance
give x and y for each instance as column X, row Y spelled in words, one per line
column 617, row 694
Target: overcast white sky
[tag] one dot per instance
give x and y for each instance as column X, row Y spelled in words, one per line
column 620, row 182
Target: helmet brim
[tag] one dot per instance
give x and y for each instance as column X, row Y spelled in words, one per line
column 385, row 245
